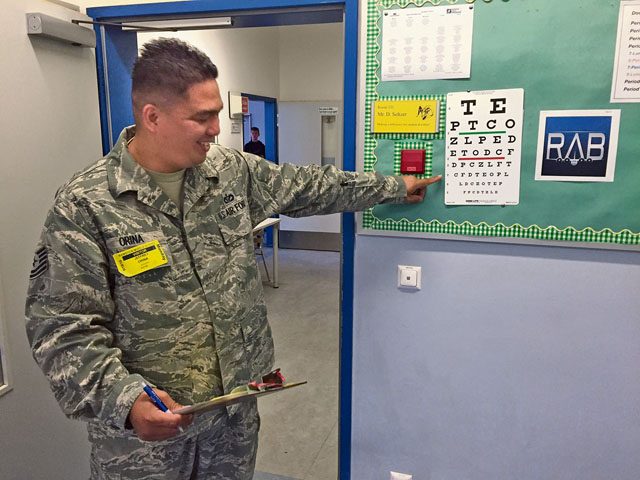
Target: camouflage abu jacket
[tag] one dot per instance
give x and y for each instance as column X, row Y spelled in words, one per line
column 194, row 323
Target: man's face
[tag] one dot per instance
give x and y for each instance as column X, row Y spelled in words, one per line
column 187, row 125
column 254, row 136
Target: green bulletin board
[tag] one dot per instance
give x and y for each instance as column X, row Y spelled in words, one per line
column 562, row 54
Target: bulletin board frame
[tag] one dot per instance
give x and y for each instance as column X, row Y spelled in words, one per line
column 424, row 221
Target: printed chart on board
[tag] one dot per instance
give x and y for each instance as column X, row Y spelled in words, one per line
column 427, row 43
column 484, row 135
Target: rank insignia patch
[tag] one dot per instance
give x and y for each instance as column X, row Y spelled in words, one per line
column 40, row 263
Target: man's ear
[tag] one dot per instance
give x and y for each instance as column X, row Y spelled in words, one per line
column 150, row 116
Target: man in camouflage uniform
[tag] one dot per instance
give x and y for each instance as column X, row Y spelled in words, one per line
column 145, row 273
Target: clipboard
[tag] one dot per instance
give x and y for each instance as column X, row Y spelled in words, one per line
column 237, row 395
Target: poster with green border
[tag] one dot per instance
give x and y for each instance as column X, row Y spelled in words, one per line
column 562, row 54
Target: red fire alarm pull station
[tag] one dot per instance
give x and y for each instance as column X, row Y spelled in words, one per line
column 412, row 161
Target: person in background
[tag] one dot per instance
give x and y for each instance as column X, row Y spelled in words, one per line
column 255, row 146
column 145, row 274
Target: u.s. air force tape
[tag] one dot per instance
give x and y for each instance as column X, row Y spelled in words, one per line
column 40, row 263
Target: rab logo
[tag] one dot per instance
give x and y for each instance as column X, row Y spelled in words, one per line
column 576, row 146
column 127, row 240
column 230, row 197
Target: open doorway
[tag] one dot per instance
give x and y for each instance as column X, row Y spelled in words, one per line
column 263, row 115
column 310, row 434
column 299, row 429
column 312, row 133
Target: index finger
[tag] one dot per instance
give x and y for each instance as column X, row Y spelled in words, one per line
column 423, row 182
column 166, row 419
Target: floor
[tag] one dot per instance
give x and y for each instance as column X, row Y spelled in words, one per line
column 299, row 432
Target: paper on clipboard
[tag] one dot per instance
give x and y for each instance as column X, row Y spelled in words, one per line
column 236, row 395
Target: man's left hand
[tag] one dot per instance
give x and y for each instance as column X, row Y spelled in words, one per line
column 417, row 187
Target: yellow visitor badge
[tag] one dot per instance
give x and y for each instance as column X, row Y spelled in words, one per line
column 138, row 259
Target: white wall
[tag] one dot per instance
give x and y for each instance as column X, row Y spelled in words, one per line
column 311, row 75
column 311, row 62
column 300, row 141
column 49, row 128
column 247, row 61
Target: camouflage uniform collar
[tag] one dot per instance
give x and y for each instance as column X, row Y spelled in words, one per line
column 208, row 170
column 126, row 175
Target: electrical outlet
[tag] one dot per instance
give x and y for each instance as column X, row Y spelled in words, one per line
column 409, row 277
column 400, row 476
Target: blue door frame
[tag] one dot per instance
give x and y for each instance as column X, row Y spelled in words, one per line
column 115, row 53
column 270, row 133
column 270, row 136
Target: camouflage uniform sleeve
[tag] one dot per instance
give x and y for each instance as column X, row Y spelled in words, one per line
column 68, row 311
column 299, row 191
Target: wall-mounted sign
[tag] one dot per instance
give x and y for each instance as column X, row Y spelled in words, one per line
column 626, row 68
column 427, row 43
column 236, row 127
column 577, row 145
column 328, row 110
column 484, row 137
column 405, row 116
column 245, row 105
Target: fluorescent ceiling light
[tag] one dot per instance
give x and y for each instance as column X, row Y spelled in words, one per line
column 181, row 24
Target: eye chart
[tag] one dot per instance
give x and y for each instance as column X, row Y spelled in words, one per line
column 484, row 137
column 427, row 43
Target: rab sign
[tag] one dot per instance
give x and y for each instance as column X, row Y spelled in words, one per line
column 577, row 145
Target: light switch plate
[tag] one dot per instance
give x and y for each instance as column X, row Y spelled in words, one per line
column 409, row 277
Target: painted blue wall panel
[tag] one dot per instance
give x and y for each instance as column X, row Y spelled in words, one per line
column 512, row 362
column 270, row 131
column 102, row 91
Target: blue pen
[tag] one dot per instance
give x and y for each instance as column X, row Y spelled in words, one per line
column 155, row 398
column 157, row 402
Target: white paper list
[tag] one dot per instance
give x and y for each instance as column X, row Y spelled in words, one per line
column 427, row 43
column 625, row 86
